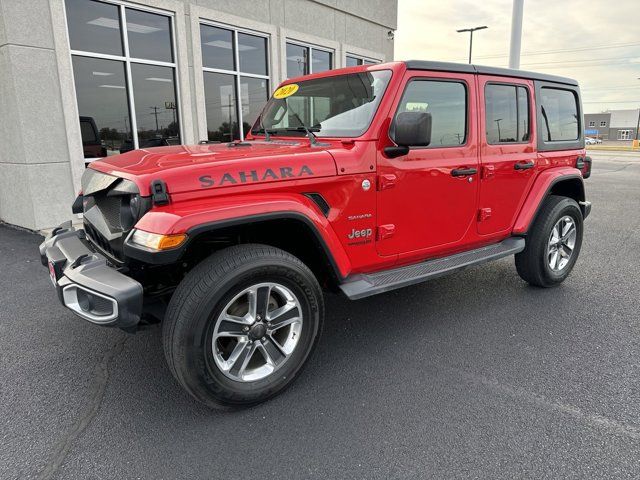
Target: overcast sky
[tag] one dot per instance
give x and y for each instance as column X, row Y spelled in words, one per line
column 596, row 42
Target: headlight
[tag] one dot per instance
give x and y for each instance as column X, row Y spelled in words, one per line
column 134, row 206
column 155, row 241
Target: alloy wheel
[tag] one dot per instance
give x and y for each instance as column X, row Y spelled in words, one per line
column 562, row 240
column 257, row 331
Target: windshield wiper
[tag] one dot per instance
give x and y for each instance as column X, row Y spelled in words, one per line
column 312, row 136
column 267, row 133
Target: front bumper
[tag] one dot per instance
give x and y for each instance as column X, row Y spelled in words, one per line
column 85, row 282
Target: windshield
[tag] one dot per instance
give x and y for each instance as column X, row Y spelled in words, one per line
column 339, row 106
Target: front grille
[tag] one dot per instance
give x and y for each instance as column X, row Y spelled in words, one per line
column 101, row 242
column 108, row 217
column 110, row 208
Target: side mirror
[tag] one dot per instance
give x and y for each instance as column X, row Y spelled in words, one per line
column 412, row 129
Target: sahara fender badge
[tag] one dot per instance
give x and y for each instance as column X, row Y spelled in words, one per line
column 286, row 91
column 366, row 185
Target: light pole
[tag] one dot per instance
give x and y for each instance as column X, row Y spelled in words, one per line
column 471, row 30
column 638, row 124
column 516, row 34
column 498, row 120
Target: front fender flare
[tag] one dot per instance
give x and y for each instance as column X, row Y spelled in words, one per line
column 198, row 216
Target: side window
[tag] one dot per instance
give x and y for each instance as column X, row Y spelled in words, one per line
column 506, row 113
column 560, row 115
column 446, row 101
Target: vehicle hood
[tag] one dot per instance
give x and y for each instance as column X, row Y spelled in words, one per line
column 186, row 168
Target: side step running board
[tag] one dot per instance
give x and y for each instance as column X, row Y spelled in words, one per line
column 360, row 286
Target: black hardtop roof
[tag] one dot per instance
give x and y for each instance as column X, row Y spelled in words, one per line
column 482, row 69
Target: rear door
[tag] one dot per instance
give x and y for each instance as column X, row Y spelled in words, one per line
column 426, row 202
column 507, row 150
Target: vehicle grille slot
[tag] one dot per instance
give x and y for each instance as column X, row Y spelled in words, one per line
column 110, row 209
column 99, row 241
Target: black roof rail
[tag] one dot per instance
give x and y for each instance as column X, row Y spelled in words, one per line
column 485, row 70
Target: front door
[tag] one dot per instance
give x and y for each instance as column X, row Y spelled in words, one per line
column 427, row 199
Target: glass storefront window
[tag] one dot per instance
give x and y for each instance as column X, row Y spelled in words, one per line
column 254, row 94
column 220, row 102
column 321, row 61
column 155, row 99
column 149, row 36
column 128, row 99
column 297, row 60
column 94, row 26
column 305, row 59
column 354, row 61
column 102, row 104
column 253, row 54
column 235, row 91
column 217, row 47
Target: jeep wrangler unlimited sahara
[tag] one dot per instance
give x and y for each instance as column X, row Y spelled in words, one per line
column 361, row 180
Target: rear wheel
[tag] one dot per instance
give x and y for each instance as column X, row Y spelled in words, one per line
column 553, row 243
column 242, row 324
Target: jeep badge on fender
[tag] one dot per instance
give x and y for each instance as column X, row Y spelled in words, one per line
column 373, row 189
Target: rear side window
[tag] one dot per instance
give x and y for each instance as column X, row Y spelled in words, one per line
column 506, row 113
column 446, row 101
column 560, row 120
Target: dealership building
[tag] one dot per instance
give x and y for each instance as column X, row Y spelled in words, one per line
column 81, row 79
column 613, row 124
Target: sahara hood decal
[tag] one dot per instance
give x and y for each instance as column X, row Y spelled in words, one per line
column 253, row 176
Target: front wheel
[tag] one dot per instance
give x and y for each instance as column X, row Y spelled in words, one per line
column 242, row 324
column 553, row 243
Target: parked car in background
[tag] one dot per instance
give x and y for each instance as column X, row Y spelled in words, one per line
column 127, row 145
column 91, row 144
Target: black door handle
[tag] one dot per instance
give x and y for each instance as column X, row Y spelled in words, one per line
column 524, row 166
column 463, row 172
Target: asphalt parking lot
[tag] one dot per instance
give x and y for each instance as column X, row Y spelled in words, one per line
column 472, row 376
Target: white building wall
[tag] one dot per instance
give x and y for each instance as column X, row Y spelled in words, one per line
column 624, row 118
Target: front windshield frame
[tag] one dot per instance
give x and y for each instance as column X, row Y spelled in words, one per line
column 383, row 76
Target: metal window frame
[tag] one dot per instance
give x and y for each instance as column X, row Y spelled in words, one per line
column 127, row 59
column 310, row 48
column 236, row 72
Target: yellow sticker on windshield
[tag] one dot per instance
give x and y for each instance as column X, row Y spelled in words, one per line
column 286, row 91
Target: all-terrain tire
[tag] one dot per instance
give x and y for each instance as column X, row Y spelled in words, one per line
column 533, row 263
column 196, row 308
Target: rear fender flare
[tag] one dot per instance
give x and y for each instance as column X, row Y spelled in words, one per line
column 543, row 186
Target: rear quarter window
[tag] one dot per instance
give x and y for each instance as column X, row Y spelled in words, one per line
column 561, row 120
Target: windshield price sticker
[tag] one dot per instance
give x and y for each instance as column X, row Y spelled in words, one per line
column 286, row 91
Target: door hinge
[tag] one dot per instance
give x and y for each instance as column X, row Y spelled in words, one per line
column 484, row 214
column 488, row 171
column 386, row 231
column 388, row 180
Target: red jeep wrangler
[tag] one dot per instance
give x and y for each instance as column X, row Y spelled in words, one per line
column 362, row 180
